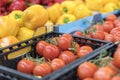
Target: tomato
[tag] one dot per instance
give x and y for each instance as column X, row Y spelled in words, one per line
column 116, row 57
column 108, row 26
column 114, row 30
column 42, row 69
column 77, row 46
column 109, row 37
column 98, row 27
column 77, row 33
column 98, row 35
column 88, row 79
column 84, row 50
column 64, row 42
column 117, row 23
column 117, row 36
column 51, row 51
column 67, row 56
column 40, row 46
column 86, row 70
column 116, row 78
column 111, row 17
column 57, row 64
column 68, row 36
column 103, row 73
column 25, row 66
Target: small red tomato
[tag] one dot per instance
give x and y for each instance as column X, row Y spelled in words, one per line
column 111, row 17
column 114, row 30
column 67, row 56
column 116, row 78
column 108, row 26
column 57, row 64
column 25, row 66
column 42, row 69
column 77, row 33
column 116, row 36
column 88, row 79
column 51, row 51
column 68, row 36
column 40, row 46
column 84, row 50
column 64, row 42
column 103, row 73
column 117, row 23
column 86, row 70
column 109, row 37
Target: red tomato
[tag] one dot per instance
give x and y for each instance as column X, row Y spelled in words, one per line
column 57, row 64
column 84, row 50
column 109, row 37
column 111, row 17
column 117, row 36
column 114, row 30
column 116, row 78
column 77, row 33
column 86, row 70
column 67, row 56
column 25, row 66
column 51, row 51
column 40, row 46
column 116, row 57
column 98, row 35
column 88, row 79
column 108, row 26
column 117, row 23
column 103, row 73
column 64, row 42
column 42, row 69
column 68, row 36
column 98, row 27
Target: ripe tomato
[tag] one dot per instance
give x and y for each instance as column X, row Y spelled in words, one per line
column 116, row 57
column 109, row 37
column 108, row 26
column 25, row 66
column 117, row 23
column 67, row 56
column 117, row 36
column 116, row 78
column 111, row 17
column 98, row 35
column 40, row 46
column 64, row 42
column 86, row 70
column 42, row 69
column 84, row 50
column 77, row 33
column 88, row 79
column 68, row 36
column 103, row 73
column 51, row 51
column 98, row 27
column 114, row 30
column 57, row 63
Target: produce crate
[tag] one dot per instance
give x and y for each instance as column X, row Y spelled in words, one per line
column 12, row 63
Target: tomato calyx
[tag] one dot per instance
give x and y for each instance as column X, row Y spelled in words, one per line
column 73, row 48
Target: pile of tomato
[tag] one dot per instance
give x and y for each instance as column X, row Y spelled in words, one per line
column 55, row 53
column 103, row 68
column 108, row 29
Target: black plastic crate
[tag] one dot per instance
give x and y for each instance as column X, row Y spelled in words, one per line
column 11, row 63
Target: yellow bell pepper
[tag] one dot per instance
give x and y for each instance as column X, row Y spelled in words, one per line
column 94, row 5
column 104, row 2
column 82, row 11
column 9, row 40
column 35, row 16
column 66, row 18
column 54, row 12
column 78, row 2
column 8, row 26
column 18, row 15
column 40, row 30
column 109, row 8
column 68, row 6
column 25, row 33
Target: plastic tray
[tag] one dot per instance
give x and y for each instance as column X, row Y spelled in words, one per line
column 11, row 63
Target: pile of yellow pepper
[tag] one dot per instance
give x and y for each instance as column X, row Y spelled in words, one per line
column 32, row 21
